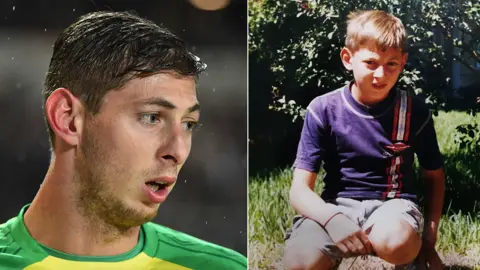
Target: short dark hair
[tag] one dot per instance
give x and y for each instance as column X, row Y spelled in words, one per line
column 104, row 50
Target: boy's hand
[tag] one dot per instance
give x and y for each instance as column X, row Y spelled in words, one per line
column 430, row 256
column 348, row 236
column 428, row 259
column 428, row 251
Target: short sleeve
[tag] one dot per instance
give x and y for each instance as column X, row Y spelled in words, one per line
column 311, row 147
column 426, row 146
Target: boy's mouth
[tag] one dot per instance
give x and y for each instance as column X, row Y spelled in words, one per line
column 379, row 86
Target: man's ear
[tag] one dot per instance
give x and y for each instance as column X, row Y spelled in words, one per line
column 65, row 113
column 346, row 56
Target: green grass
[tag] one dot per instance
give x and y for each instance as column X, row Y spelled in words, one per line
column 461, row 167
column 270, row 213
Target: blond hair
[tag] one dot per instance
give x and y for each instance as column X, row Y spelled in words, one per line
column 384, row 29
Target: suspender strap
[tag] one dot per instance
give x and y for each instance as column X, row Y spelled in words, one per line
column 400, row 133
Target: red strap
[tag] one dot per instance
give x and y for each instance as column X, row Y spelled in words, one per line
column 325, row 225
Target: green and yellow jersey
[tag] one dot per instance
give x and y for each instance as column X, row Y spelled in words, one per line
column 158, row 248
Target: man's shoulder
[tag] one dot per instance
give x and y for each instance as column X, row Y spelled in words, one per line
column 199, row 253
column 7, row 240
column 13, row 254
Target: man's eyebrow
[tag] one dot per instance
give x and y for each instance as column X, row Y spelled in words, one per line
column 167, row 104
column 194, row 108
column 159, row 102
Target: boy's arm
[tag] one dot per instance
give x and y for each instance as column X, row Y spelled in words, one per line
column 435, row 180
column 345, row 233
column 431, row 161
column 305, row 201
column 312, row 147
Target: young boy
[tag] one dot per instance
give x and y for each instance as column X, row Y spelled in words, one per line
column 366, row 134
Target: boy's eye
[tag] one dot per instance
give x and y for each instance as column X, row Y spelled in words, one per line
column 369, row 62
column 392, row 64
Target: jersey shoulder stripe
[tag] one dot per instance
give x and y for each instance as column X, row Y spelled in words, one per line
column 180, row 248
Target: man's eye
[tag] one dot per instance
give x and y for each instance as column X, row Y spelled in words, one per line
column 369, row 62
column 392, row 64
column 192, row 125
column 149, row 118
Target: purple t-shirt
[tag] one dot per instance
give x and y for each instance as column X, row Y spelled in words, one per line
column 368, row 152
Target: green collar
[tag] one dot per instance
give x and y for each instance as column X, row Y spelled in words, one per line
column 21, row 234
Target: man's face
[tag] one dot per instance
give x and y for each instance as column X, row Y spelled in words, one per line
column 141, row 135
column 376, row 71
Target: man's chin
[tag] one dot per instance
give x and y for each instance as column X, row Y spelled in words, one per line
column 139, row 215
column 147, row 219
column 150, row 212
column 141, row 219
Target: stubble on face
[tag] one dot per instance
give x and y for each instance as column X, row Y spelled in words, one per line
column 120, row 149
column 96, row 198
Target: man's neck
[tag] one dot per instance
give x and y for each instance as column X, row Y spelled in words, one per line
column 367, row 98
column 54, row 221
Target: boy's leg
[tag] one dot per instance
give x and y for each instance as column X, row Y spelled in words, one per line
column 396, row 231
column 308, row 246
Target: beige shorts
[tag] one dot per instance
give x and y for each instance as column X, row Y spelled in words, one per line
column 306, row 232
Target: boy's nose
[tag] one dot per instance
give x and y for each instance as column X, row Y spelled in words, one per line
column 379, row 72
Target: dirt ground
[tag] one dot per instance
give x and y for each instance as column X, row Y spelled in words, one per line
column 270, row 259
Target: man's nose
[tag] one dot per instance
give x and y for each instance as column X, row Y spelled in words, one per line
column 176, row 147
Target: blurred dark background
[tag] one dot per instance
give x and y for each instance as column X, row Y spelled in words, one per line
column 210, row 200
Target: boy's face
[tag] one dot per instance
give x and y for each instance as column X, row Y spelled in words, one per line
column 375, row 70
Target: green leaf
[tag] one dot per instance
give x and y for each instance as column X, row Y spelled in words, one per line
column 330, row 35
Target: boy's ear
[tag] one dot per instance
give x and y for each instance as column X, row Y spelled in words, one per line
column 346, row 56
column 404, row 59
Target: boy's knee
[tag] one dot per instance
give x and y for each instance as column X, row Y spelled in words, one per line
column 397, row 244
column 302, row 259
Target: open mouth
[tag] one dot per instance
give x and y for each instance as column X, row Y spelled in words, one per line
column 157, row 189
column 156, row 186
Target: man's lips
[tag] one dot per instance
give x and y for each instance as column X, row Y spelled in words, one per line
column 159, row 194
column 166, row 180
